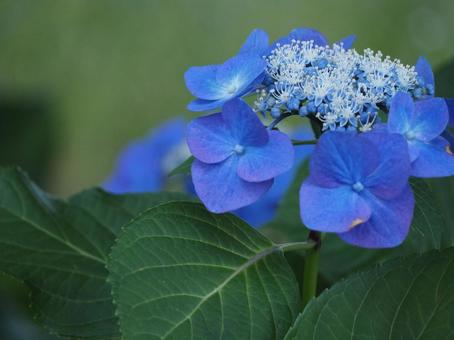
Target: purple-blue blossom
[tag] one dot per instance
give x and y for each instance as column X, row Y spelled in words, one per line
column 358, row 188
column 237, row 158
column 143, row 164
column 422, row 123
column 213, row 85
column 264, row 210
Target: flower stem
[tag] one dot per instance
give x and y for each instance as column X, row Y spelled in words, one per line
column 311, row 262
column 279, row 119
column 306, row 245
column 304, row 142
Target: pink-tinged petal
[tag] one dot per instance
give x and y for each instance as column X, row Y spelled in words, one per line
column 332, row 209
column 209, row 139
column 260, row 163
column 388, row 224
column 430, row 119
column 435, row 159
column 244, row 124
column 220, row 188
column 401, row 113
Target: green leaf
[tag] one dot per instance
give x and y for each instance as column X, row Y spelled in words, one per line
column 443, row 189
column 410, row 298
column 59, row 249
column 180, row 272
column 184, row 168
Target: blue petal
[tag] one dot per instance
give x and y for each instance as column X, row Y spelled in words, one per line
column 347, row 42
column 306, row 34
column 245, row 126
column 450, row 104
column 199, row 105
column 260, row 163
column 209, row 138
column 400, row 113
column 424, row 70
column 342, row 158
column 257, row 42
column 388, row 225
column 435, row 159
column 201, row 82
column 331, row 209
column 260, row 212
column 264, row 210
column 430, row 119
column 302, row 34
column 240, row 73
column 221, row 190
column 139, row 167
column 391, row 175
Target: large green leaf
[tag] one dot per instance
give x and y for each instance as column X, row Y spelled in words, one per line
column 339, row 259
column 59, row 249
column 410, row 298
column 180, row 272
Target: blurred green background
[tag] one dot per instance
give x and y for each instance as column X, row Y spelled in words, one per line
column 88, row 76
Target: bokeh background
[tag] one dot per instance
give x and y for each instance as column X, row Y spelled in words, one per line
column 81, row 78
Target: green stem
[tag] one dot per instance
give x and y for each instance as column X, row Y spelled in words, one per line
column 279, row 119
column 309, row 244
column 311, row 261
column 304, row 142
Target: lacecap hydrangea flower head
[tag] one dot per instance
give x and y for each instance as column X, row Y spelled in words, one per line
column 377, row 123
column 143, row 166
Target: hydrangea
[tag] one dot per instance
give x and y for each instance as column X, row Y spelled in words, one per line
column 213, row 85
column 422, row 123
column 340, row 87
column 237, row 158
column 358, row 187
column 265, row 208
column 143, row 165
column 427, row 77
column 378, row 119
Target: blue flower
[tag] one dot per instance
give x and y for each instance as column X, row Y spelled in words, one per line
column 256, row 43
column 141, row 166
column 426, row 79
column 264, row 210
column 213, row 85
column 421, row 123
column 237, row 158
column 310, row 34
column 358, row 187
